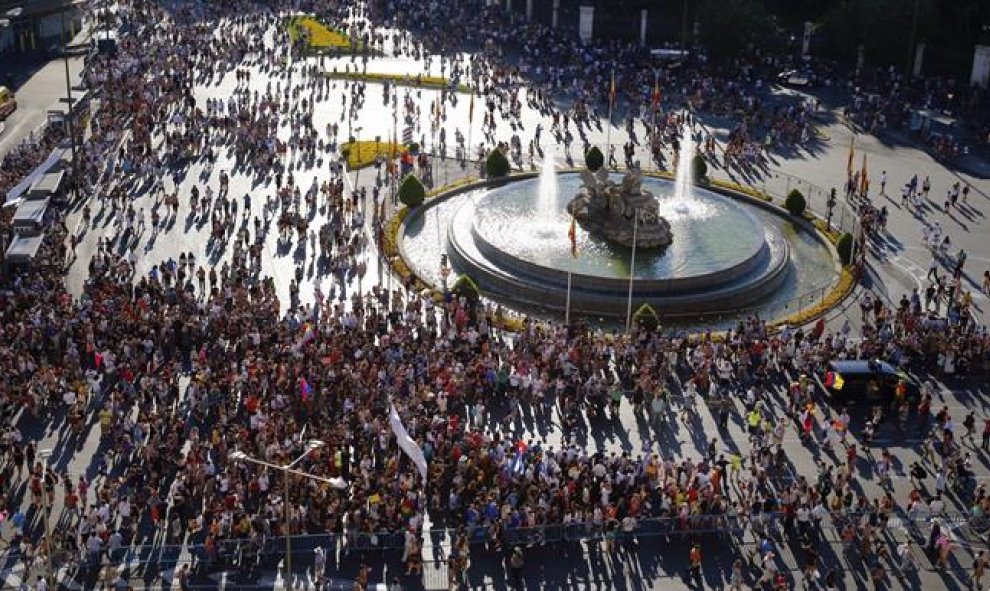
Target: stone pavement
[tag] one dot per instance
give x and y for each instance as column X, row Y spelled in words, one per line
column 654, row 561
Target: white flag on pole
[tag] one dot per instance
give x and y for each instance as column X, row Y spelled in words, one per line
column 406, row 442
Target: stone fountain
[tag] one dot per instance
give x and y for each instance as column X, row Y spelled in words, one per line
column 609, row 210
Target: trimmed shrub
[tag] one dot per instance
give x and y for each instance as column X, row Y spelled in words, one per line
column 594, row 159
column 844, row 247
column 497, row 166
column 413, row 148
column 412, row 192
column 646, row 317
column 795, row 203
column 464, row 286
column 699, row 168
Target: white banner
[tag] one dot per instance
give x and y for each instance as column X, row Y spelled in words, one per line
column 406, row 442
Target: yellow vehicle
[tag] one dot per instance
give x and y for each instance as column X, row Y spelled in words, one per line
column 7, row 102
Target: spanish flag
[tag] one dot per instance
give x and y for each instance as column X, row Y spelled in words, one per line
column 864, row 182
column 656, row 93
column 834, row 380
column 849, row 162
column 572, row 234
column 611, row 92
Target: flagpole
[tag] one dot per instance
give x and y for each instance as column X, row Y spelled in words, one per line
column 567, row 305
column 468, row 156
column 632, row 272
column 655, row 106
column 611, row 106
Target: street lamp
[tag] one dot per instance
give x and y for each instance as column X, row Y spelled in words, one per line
column 287, row 469
column 68, row 91
column 44, row 454
column 830, row 203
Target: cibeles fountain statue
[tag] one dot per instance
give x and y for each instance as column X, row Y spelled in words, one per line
column 609, row 210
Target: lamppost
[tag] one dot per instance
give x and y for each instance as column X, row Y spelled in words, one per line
column 286, row 470
column 44, row 454
column 68, row 94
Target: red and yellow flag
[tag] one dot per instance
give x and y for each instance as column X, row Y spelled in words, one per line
column 864, row 183
column 611, row 92
column 572, row 234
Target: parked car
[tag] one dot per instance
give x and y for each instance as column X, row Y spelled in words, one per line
column 871, row 381
column 7, row 102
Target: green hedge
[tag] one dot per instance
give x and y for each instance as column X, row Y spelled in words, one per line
column 646, row 317
column 594, row 159
column 699, row 168
column 795, row 203
column 844, row 247
column 412, row 192
column 497, row 166
column 466, row 287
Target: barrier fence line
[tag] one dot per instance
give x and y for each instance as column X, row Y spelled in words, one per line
column 733, row 528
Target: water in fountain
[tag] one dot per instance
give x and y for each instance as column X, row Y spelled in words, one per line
column 547, row 206
column 683, row 178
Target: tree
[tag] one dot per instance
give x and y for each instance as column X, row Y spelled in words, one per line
column 699, row 168
column 412, row 192
column 729, row 27
column 882, row 27
column 844, row 246
column 497, row 166
column 464, row 286
column 594, row 159
column 646, row 317
column 795, row 203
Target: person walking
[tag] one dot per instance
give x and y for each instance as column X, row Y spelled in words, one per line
column 694, row 575
column 979, row 568
column 516, row 563
column 737, row 578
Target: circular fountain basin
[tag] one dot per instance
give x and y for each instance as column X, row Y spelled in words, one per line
column 725, row 254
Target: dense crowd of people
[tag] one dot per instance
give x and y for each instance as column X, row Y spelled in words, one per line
column 183, row 365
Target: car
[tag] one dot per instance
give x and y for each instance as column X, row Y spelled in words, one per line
column 7, row 102
column 796, row 79
column 873, row 381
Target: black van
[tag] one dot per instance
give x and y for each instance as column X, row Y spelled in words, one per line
column 871, row 381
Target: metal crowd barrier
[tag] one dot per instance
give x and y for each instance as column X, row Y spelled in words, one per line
column 722, row 525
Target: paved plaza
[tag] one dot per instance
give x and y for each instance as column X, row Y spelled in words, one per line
column 252, row 225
